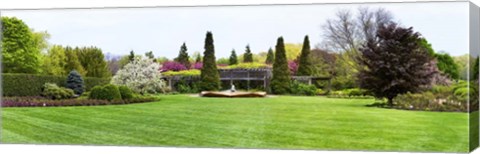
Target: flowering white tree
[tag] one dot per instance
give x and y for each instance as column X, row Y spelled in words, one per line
column 141, row 75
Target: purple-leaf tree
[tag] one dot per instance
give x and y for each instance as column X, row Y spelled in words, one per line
column 394, row 63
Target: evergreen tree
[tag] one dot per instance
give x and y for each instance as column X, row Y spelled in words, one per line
column 183, row 57
column 131, row 57
column 198, row 58
column 248, row 56
column 72, row 62
column 305, row 66
column 150, row 55
column 270, row 57
column 233, row 58
column 75, row 82
column 280, row 82
column 210, row 78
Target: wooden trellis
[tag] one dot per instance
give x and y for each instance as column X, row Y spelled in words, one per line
column 257, row 74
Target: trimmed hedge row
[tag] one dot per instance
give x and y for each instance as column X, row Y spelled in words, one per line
column 43, row 102
column 31, row 84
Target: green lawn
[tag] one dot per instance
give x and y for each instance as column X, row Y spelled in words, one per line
column 284, row 122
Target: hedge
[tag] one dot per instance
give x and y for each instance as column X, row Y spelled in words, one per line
column 31, row 84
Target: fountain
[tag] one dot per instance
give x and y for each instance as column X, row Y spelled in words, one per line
column 232, row 93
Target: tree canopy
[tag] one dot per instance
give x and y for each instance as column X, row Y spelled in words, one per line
column 447, row 65
column 72, row 61
column 395, row 64
column 93, row 61
column 55, row 61
column 21, row 48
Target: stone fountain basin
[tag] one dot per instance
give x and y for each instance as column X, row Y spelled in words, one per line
column 232, row 94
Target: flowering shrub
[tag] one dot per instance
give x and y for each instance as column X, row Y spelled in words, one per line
column 293, row 67
column 438, row 98
column 141, row 76
column 221, row 65
column 172, row 66
column 43, row 102
column 429, row 101
column 197, row 65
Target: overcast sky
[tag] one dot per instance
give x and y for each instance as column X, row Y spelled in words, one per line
column 163, row 30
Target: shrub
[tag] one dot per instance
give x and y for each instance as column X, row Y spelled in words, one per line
column 298, row 88
column 197, row 65
column 246, row 66
column 173, row 66
column 125, row 92
column 293, row 67
column 444, row 90
column 461, row 94
column 321, row 92
column 356, row 92
column 96, row 92
column 184, row 87
column 107, row 92
column 141, row 76
column 52, row 91
column 182, row 73
column 75, row 82
column 111, row 92
column 32, row 84
column 350, row 93
column 428, row 101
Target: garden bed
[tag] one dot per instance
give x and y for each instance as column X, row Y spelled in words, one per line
column 44, row 102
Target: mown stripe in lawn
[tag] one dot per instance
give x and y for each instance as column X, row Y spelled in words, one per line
column 280, row 122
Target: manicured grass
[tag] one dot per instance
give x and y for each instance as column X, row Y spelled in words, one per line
column 284, row 122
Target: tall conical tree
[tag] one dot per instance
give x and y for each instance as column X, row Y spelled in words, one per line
column 210, row 79
column 183, row 57
column 247, row 56
column 131, row 57
column 75, row 82
column 280, row 82
column 233, row 58
column 305, row 66
column 270, row 57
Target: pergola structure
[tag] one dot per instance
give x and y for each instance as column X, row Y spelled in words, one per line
column 252, row 74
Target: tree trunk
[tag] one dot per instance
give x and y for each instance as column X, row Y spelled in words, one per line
column 390, row 102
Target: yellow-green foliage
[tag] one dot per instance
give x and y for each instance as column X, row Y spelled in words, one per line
column 192, row 72
column 246, row 66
